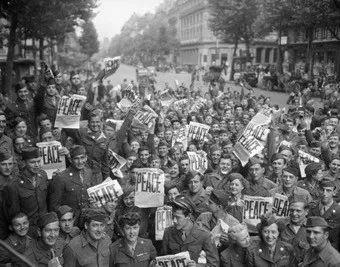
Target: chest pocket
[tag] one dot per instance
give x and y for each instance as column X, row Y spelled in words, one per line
column 26, row 193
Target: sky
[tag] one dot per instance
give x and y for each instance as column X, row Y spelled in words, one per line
column 112, row 14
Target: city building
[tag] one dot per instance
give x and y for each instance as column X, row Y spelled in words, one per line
column 198, row 44
column 326, row 48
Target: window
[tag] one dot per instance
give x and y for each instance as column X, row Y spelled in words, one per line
column 267, row 55
column 259, row 54
column 275, row 55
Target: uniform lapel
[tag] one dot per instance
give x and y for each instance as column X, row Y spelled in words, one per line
column 329, row 212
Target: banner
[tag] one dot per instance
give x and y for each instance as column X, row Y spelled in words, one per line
column 166, row 99
column 163, row 219
column 144, row 118
column 177, row 260
column 117, row 123
column 197, row 131
column 255, row 207
column 124, row 105
column 104, row 193
column 180, row 104
column 198, row 105
column 304, row 159
column 69, row 111
column 281, row 205
column 149, row 187
column 254, row 137
column 51, row 159
column 180, row 136
column 116, row 162
column 198, row 162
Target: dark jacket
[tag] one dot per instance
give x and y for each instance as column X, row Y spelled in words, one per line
column 332, row 216
column 328, row 256
column 21, row 196
column 283, row 256
column 120, row 255
column 67, row 188
column 196, row 241
column 40, row 254
column 81, row 252
column 234, row 256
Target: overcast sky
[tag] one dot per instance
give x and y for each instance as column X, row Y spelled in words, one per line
column 112, row 14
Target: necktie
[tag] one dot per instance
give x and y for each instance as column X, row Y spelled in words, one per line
column 81, row 176
column 34, row 181
column 184, row 236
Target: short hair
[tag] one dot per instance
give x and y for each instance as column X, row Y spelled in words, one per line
column 18, row 215
column 171, row 186
column 143, row 148
column 191, row 175
column 236, row 229
column 130, row 218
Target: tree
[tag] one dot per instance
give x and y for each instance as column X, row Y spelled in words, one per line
column 89, row 40
column 233, row 20
column 274, row 15
column 41, row 20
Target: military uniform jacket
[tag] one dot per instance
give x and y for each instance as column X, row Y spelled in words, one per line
column 297, row 240
column 82, row 252
column 40, row 254
column 67, row 188
column 327, row 257
column 196, row 241
column 332, row 216
column 21, row 196
column 19, row 244
column 120, row 255
column 96, row 149
column 234, row 256
column 259, row 255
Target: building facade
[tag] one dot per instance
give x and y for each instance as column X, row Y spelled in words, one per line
column 326, row 51
column 198, row 44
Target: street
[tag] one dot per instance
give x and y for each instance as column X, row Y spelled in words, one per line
column 129, row 73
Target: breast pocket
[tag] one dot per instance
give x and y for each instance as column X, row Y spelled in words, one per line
column 145, row 256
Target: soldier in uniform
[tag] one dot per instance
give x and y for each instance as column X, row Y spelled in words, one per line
column 28, row 193
column 289, row 186
column 91, row 247
column 66, row 223
column 6, row 169
column 184, row 235
column 294, row 226
column 259, row 185
column 95, row 143
column 270, row 251
column 70, row 186
column 131, row 250
column 43, row 251
column 236, row 253
column 18, row 239
column 196, row 193
column 328, row 209
column 321, row 252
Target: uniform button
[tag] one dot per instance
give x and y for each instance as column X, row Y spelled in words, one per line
column 21, row 181
column 281, row 248
column 71, row 174
column 260, row 250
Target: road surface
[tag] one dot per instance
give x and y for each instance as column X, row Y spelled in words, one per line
column 129, row 73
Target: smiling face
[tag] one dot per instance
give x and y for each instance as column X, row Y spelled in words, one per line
column 297, row 213
column 131, row 232
column 270, row 234
column 289, row 180
column 236, row 187
column 50, row 233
